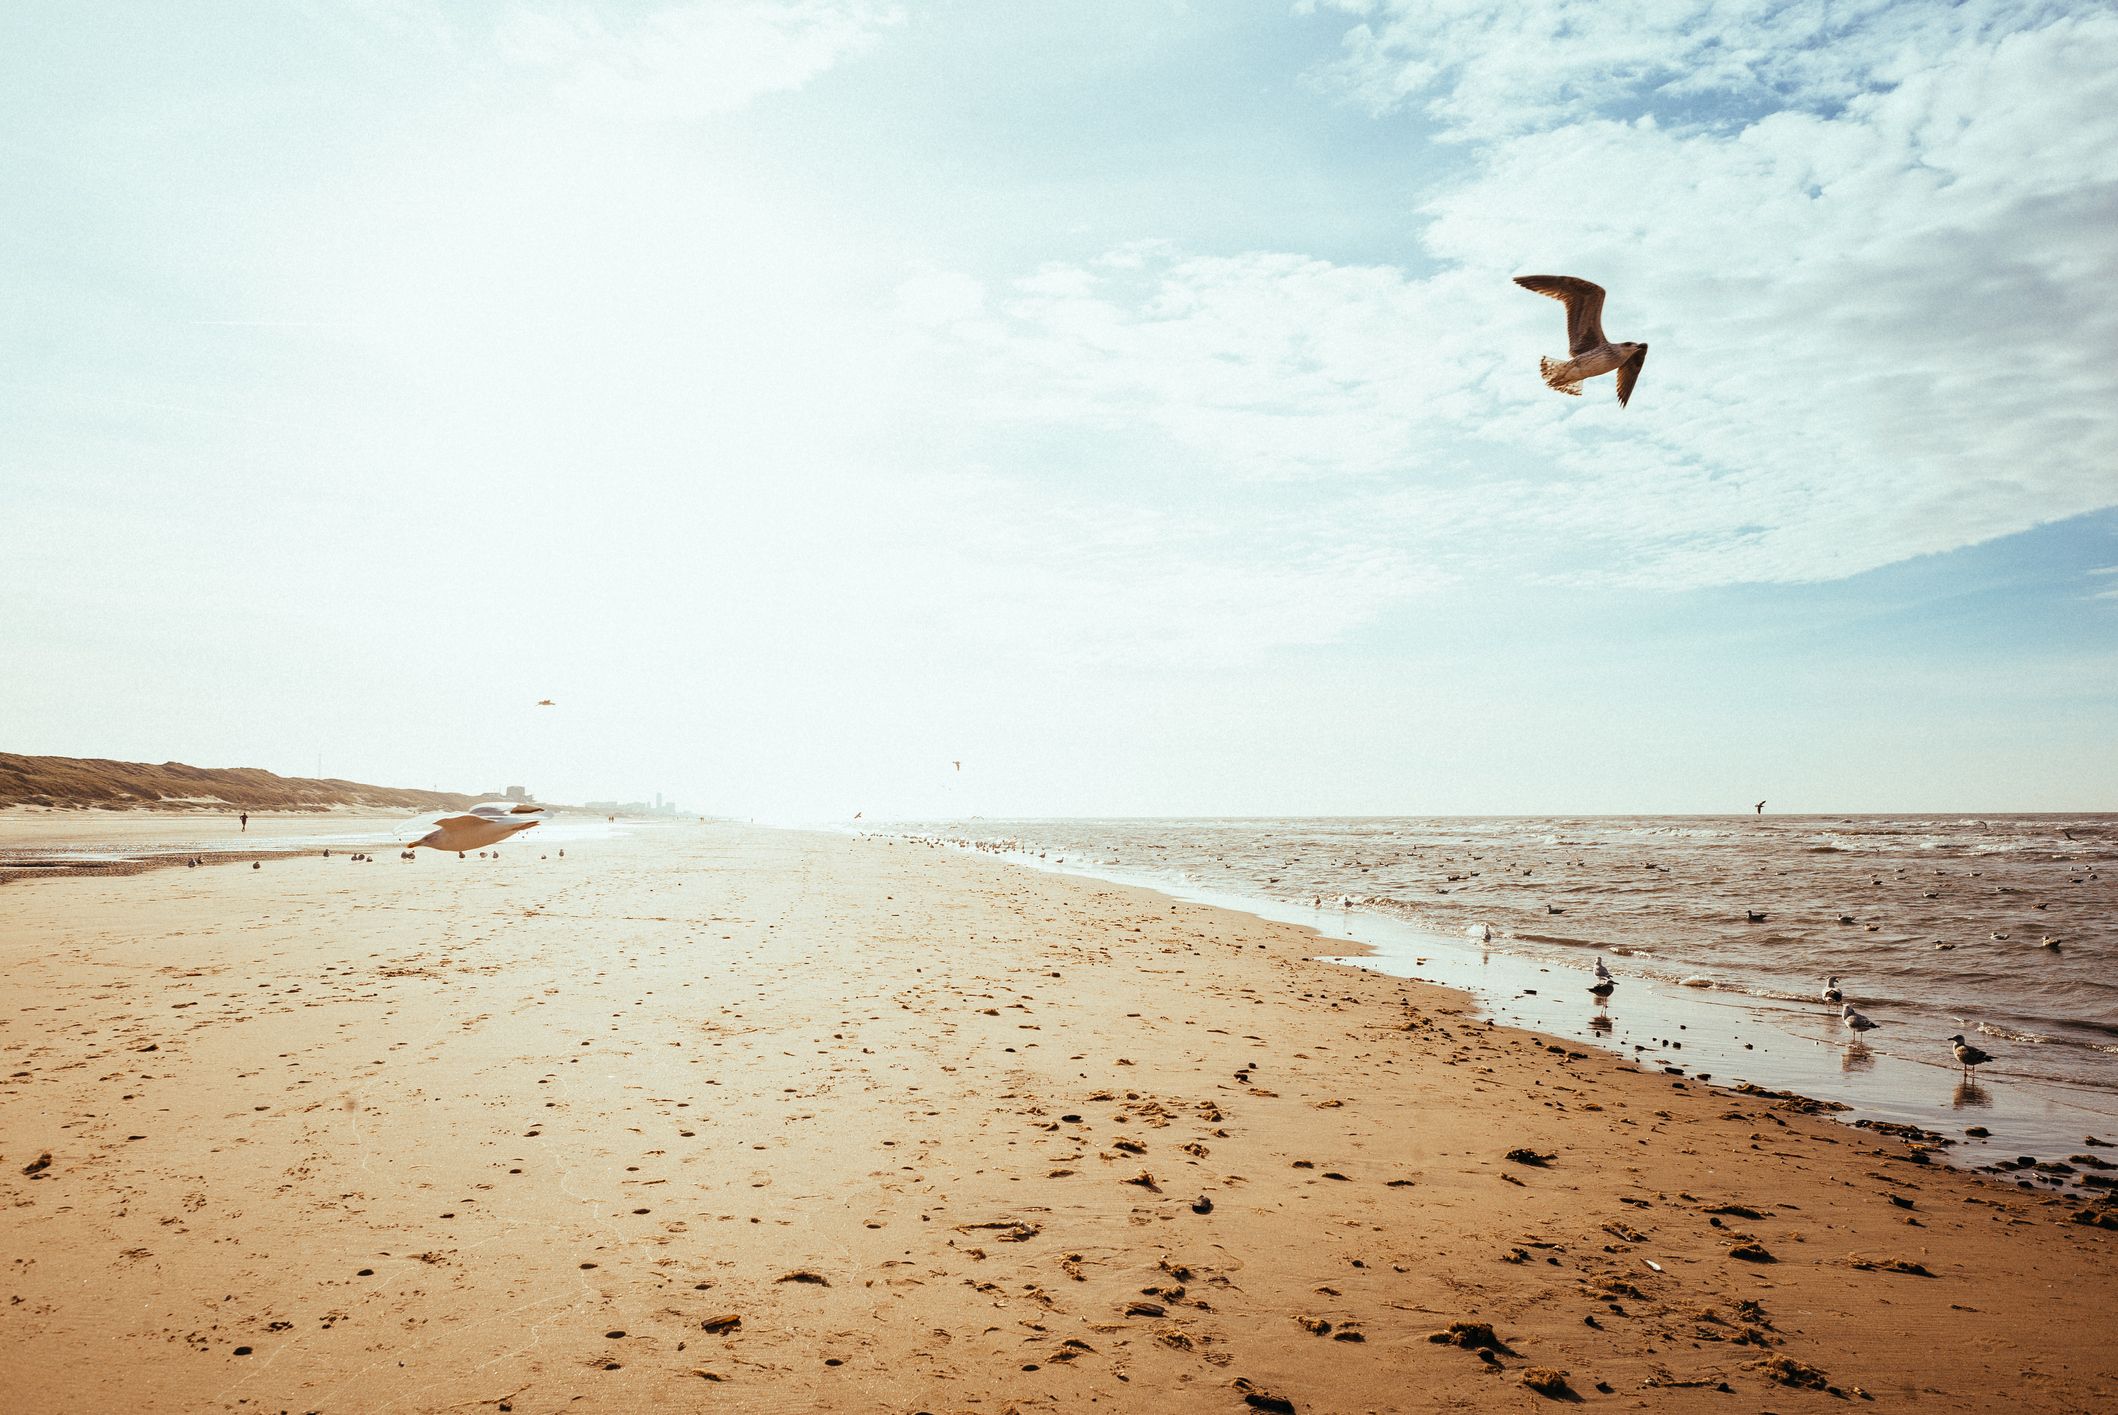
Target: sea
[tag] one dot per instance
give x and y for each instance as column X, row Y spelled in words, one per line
column 1721, row 932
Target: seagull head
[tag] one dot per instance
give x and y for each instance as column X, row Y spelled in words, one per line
column 1958, row 1039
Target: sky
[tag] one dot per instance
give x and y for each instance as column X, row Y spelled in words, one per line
column 1126, row 400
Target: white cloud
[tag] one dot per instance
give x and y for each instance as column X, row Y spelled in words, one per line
column 1267, row 363
column 1881, row 314
column 1483, row 69
column 691, row 61
column 940, row 297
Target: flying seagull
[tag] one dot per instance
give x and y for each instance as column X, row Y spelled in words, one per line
column 546, row 702
column 1968, row 1056
column 1589, row 353
column 485, row 824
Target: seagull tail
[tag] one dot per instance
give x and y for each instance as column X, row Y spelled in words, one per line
column 1555, row 376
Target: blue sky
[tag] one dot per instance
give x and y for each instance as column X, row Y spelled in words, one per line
column 1128, row 399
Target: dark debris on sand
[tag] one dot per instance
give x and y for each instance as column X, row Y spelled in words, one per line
column 1549, row 1383
column 1471, row 1336
column 1258, row 1398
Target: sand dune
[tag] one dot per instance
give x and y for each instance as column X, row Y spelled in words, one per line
column 88, row 781
column 711, row 1118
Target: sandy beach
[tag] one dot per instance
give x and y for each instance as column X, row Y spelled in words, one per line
column 703, row 1117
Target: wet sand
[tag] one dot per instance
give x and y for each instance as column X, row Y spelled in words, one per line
column 37, row 843
column 936, row 1133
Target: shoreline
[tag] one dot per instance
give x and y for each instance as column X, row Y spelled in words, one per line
column 841, row 1124
column 91, row 842
column 1727, row 1038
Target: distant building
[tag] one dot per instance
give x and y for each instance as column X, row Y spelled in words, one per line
column 660, row 807
column 516, row 793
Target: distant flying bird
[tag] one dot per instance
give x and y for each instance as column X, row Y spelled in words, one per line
column 1967, row 1056
column 1760, row 808
column 959, row 766
column 546, row 702
column 1589, row 353
column 482, row 825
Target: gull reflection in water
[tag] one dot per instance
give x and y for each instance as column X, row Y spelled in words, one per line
column 1970, row 1096
column 1600, row 1023
column 1856, row 1057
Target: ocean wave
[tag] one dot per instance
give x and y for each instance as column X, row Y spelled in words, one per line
column 2002, row 1032
column 2009, row 1034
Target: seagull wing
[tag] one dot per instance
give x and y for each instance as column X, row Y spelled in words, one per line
column 450, row 822
column 1584, row 307
column 1628, row 375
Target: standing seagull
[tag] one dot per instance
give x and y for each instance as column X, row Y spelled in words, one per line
column 1589, row 353
column 1604, row 983
column 1831, row 991
column 1856, row 1022
column 1968, row 1056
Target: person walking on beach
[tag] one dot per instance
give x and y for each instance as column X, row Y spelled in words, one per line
column 245, row 819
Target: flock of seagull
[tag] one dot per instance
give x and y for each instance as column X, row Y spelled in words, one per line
column 1969, row 1057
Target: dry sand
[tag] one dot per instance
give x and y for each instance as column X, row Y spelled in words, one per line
column 709, row 1118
